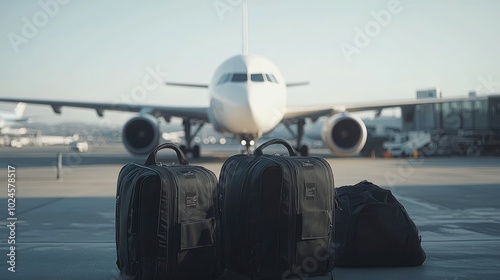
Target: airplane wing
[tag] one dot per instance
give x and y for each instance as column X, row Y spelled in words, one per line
column 21, row 120
column 315, row 112
column 187, row 85
column 297, row 84
column 312, row 112
column 197, row 113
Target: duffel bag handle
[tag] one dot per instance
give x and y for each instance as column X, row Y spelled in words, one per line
column 291, row 150
column 151, row 160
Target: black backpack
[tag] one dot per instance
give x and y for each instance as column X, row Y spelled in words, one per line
column 373, row 229
column 277, row 214
column 168, row 220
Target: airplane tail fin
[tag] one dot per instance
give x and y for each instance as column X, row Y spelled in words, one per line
column 245, row 28
column 19, row 110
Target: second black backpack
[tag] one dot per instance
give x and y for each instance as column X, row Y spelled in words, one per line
column 277, row 217
column 374, row 229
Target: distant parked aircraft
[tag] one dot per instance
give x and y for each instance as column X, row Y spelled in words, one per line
column 10, row 118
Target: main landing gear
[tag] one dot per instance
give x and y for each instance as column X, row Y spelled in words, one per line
column 302, row 149
column 188, row 148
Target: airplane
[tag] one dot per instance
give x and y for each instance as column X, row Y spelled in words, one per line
column 248, row 97
column 12, row 118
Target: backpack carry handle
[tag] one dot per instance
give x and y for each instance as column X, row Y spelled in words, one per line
column 151, row 160
column 291, row 150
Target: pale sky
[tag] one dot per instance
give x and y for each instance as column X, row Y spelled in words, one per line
column 101, row 50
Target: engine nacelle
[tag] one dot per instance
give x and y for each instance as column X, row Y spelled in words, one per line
column 345, row 134
column 141, row 134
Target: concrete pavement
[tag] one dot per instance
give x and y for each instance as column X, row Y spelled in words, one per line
column 65, row 228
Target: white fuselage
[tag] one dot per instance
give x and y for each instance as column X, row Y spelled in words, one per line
column 247, row 96
column 11, row 118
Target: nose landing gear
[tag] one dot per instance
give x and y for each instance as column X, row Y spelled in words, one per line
column 249, row 146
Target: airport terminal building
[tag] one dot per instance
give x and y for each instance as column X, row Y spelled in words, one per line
column 458, row 126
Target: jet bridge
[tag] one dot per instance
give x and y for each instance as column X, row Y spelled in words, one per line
column 467, row 124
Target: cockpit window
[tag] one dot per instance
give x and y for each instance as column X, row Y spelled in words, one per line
column 239, row 77
column 243, row 77
column 224, row 79
column 227, row 78
column 257, row 77
column 273, row 78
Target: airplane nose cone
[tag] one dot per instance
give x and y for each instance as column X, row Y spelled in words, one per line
column 238, row 113
column 266, row 106
column 249, row 108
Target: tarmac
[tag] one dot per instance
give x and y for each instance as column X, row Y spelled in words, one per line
column 64, row 228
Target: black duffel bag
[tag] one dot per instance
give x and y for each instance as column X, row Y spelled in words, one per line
column 372, row 229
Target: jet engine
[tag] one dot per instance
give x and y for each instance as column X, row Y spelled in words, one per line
column 141, row 134
column 345, row 134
